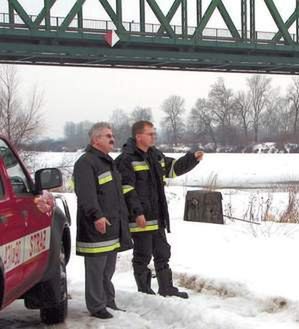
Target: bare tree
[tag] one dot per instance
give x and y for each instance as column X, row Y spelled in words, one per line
column 121, row 126
column 259, row 89
column 141, row 113
column 20, row 121
column 293, row 98
column 70, row 130
column 221, row 104
column 76, row 134
column 276, row 117
column 242, row 106
column 201, row 121
column 173, row 107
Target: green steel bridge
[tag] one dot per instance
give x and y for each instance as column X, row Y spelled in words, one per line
column 75, row 40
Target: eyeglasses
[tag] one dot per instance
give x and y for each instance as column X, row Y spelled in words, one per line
column 110, row 136
column 150, row 134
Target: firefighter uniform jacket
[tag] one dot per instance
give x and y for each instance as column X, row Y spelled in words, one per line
column 99, row 194
column 143, row 178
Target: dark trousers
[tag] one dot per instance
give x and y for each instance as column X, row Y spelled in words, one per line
column 99, row 289
column 148, row 244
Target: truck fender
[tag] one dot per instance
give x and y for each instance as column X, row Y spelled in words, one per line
column 60, row 233
column 47, row 292
column 1, row 283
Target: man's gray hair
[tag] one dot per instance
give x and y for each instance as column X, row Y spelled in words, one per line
column 97, row 128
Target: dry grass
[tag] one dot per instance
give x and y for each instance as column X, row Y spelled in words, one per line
column 261, row 208
column 291, row 213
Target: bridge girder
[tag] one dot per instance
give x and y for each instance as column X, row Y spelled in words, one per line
column 71, row 41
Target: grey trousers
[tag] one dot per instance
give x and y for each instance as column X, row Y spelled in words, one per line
column 99, row 289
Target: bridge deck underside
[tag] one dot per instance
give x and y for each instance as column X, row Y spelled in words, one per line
column 201, row 59
column 72, row 48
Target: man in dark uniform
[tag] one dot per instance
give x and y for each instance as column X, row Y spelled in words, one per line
column 102, row 219
column 144, row 169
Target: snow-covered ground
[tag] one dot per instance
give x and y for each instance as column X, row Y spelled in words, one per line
column 238, row 275
column 219, row 170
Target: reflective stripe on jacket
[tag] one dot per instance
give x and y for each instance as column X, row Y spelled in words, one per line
column 143, row 179
column 99, row 194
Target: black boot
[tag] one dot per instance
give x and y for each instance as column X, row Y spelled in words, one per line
column 166, row 287
column 114, row 307
column 143, row 281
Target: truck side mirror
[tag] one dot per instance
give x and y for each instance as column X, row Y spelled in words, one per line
column 47, row 178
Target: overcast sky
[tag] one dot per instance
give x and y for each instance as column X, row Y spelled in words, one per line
column 77, row 94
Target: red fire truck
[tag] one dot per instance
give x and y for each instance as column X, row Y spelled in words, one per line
column 34, row 245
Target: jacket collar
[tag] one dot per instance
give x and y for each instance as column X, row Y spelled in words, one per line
column 98, row 153
column 130, row 147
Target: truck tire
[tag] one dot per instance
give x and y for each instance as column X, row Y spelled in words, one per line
column 57, row 314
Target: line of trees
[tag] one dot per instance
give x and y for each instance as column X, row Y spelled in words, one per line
column 257, row 113
column 76, row 134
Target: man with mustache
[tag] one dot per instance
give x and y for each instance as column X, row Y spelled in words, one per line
column 102, row 219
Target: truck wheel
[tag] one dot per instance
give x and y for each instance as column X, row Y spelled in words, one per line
column 58, row 313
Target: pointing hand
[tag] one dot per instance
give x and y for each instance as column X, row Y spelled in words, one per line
column 198, row 155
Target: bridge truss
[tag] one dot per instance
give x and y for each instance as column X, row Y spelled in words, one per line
column 75, row 40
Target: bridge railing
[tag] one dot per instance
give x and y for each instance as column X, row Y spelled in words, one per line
column 134, row 28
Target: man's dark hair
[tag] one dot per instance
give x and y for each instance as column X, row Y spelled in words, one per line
column 138, row 127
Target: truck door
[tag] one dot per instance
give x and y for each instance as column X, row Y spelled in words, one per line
column 36, row 239
column 12, row 231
